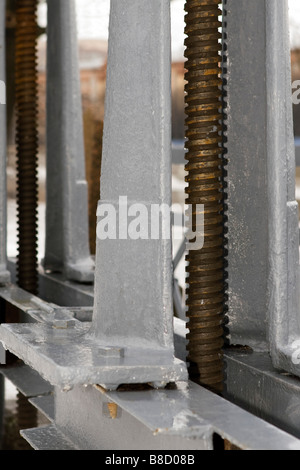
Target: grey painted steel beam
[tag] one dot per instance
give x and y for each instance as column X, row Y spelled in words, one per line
column 141, row 411
column 4, row 274
column 56, row 288
column 67, row 241
column 245, row 30
column 47, row 438
column 45, row 404
column 263, row 233
column 71, row 355
column 184, row 418
column 254, row 384
column 283, row 221
column 133, row 280
column 252, row 381
column 27, row 380
column 171, row 418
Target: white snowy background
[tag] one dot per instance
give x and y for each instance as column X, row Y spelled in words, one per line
column 93, row 16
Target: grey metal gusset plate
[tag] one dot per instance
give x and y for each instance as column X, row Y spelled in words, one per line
column 71, row 356
column 27, row 380
column 47, row 438
column 46, row 405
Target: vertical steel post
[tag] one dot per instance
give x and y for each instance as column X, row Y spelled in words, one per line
column 247, row 165
column 283, row 279
column 67, row 234
column 4, row 274
column 133, row 280
column 263, row 233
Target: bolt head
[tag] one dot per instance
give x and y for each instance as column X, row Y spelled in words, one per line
column 63, row 324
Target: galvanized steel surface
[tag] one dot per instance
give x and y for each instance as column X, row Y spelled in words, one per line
column 245, row 100
column 185, row 417
column 67, row 237
column 133, row 305
column 254, row 384
column 263, row 233
column 283, row 221
column 72, row 355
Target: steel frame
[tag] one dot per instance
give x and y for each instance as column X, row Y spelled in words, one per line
column 78, row 341
column 185, row 417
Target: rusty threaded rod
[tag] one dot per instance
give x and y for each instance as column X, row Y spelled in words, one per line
column 27, row 162
column 205, row 268
column 27, row 143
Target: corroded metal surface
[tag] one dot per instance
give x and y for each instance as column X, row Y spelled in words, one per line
column 27, row 162
column 27, row 143
column 205, row 268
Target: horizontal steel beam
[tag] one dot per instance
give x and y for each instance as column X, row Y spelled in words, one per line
column 254, row 384
column 186, row 417
column 199, row 413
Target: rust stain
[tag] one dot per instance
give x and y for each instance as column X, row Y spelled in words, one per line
column 113, row 410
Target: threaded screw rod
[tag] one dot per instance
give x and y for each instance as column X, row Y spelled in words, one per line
column 27, row 162
column 27, row 144
column 205, row 268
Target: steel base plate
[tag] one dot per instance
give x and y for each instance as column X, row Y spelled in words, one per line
column 72, row 356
